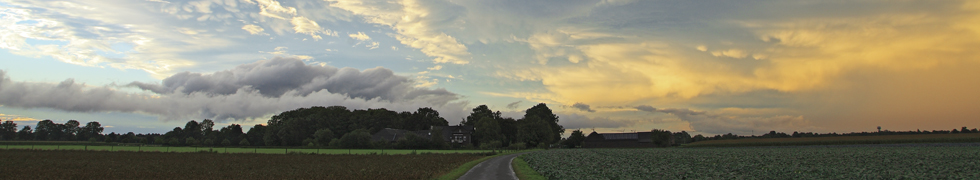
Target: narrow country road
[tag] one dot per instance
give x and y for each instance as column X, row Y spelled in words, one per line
column 493, row 169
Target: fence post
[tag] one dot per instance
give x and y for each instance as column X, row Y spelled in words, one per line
column 86, row 147
column 112, row 148
column 287, row 151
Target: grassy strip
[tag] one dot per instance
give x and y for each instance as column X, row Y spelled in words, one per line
column 524, row 171
column 842, row 140
column 461, row 170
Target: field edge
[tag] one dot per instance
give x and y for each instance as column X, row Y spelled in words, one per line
column 523, row 170
column 461, row 170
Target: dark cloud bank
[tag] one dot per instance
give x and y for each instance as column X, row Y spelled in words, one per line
column 247, row 91
column 702, row 121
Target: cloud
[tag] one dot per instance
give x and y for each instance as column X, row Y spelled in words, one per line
column 733, row 53
column 246, row 92
column 360, row 36
column 733, row 120
column 272, row 8
column 254, row 30
column 11, row 117
column 433, row 68
column 702, row 48
column 620, row 62
column 673, row 111
column 514, row 105
column 583, row 107
column 614, row 2
column 304, row 25
column 577, row 121
column 417, row 25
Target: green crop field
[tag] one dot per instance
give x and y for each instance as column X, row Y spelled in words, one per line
column 262, row 150
column 74, row 164
column 760, row 163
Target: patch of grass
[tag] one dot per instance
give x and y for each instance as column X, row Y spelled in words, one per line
column 524, row 171
column 461, row 170
column 840, row 140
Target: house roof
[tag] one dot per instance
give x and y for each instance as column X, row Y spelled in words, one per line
column 639, row 136
column 618, row 136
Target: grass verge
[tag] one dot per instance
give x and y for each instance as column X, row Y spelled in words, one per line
column 461, row 170
column 524, row 171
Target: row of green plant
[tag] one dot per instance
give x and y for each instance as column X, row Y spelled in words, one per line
column 759, row 163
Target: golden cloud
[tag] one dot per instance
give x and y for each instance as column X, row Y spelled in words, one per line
column 798, row 55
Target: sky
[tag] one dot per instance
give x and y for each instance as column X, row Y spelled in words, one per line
column 701, row 66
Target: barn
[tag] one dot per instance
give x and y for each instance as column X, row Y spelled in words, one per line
column 619, row 140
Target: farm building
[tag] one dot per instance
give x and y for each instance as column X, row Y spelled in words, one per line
column 451, row 134
column 619, row 140
column 456, row 134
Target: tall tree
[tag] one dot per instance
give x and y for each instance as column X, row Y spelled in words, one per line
column 660, row 137
column 71, row 129
column 192, row 129
column 487, row 130
column 25, row 133
column 233, row 133
column 575, row 139
column 90, row 130
column 360, row 139
column 544, row 113
column 479, row 113
column 508, row 127
column 323, row 137
column 207, row 126
column 423, row 119
column 8, row 130
column 47, row 130
column 534, row 131
column 256, row 134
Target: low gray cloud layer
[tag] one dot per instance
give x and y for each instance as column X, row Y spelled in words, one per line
column 514, row 105
column 577, row 121
column 583, row 107
column 743, row 124
column 248, row 91
column 274, row 78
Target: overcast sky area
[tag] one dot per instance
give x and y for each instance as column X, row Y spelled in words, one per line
column 706, row 67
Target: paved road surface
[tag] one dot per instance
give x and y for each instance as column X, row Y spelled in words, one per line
column 493, row 169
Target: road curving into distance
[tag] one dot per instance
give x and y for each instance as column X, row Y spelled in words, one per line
column 497, row 168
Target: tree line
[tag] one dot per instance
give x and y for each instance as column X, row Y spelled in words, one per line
column 47, row 130
column 334, row 126
column 795, row 134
